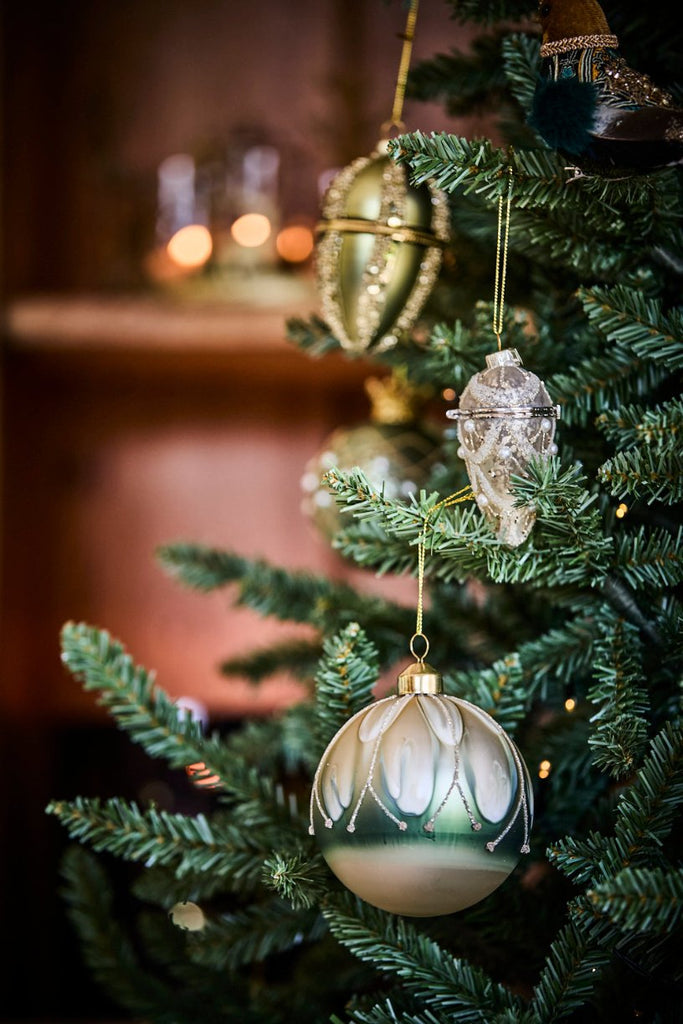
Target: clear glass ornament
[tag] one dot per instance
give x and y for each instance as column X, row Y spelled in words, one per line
column 421, row 803
column 505, row 418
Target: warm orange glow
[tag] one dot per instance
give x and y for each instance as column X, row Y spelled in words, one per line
column 295, row 243
column 190, row 246
column 448, row 394
column 251, row 230
column 544, row 769
column 569, row 704
column 621, row 511
column 199, row 775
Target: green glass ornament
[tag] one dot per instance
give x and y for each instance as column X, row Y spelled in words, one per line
column 421, row 804
column 396, row 450
column 379, row 250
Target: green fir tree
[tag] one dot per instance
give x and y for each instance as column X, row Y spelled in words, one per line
column 588, row 928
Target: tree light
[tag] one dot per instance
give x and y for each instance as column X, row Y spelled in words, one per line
column 199, row 774
column 190, row 246
column 569, row 704
column 251, row 230
column 544, row 769
column 621, row 511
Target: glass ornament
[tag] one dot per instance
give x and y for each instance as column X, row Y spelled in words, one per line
column 397, row 450
column 505, row 418
column 379, row 250
column 421, row 804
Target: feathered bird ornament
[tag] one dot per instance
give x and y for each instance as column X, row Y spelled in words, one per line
column 590, row 105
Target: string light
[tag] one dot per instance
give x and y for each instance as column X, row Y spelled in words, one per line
column 569, row 704
column 621, row 511
column 251, row 230
column 448, row 394
column 544, row 769
column 199, row 774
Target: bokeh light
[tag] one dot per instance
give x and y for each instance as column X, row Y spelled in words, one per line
column 294, row 243
column 251, row 230
column 191, row 246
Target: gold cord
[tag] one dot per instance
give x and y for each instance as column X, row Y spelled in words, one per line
column 402, row 78
column 501, row 272
column 454, row 499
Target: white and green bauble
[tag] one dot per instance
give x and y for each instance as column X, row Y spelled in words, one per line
column 421, row 804
column 505, row 418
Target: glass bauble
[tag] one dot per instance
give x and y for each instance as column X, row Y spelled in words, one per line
column 397, row 450
column 505, row 418
column 379, row 250
column 421, row 803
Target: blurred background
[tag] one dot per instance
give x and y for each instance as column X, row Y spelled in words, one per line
column 163, row 164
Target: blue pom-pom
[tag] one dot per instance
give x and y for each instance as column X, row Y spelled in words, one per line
column 563, row 113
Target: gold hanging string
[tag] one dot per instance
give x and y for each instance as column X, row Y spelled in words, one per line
column 454, row 499
column 402, row 78
column 502, row 242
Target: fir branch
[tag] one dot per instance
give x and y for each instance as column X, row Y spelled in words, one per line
column 630, row 319
column 641, row 900
column 312, row 336
column 660, row 427
column 188, row 844
column 302, row 880
column 231, row 940
column 520, row 54
column 573, row 968
column 298, row 657
column 620, row 732
column 645, row 473
column 647, row 810
column 151, row 719
column 394, row 946
column 500, row 690
column 601, row 381
column 348, row 671
column 107, row 950
column 588, row 860
column 287, row 595
column 649, row 557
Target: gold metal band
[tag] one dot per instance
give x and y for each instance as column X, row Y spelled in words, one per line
column 608, row 42
column 400, row 233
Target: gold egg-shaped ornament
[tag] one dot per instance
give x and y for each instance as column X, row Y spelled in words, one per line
column 505, row 418
column 421, row 804
column 396, row 450
column 379, row 251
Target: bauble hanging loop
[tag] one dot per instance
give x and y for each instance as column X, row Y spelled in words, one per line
column 505, row 418
column 379, row 251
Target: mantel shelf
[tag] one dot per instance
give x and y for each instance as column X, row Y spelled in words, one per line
column 92, row 323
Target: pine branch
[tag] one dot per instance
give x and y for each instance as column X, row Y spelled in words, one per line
column 630, row 319
column 298, row 657
column 660, row 427
column 312, row 336
column 302, row 880
column 620, row 722
column 573, row 968
column 647, row 810
column 641, row 900
column 107, row 951
column 520, row 59
column 151, row 719
column 231, row 940
column 393, row 946
column 188, row 844
column 646, row 474
column 289, row 596
column 500, row 690
column 603, row 381
column 348, row 671
column 649, row 557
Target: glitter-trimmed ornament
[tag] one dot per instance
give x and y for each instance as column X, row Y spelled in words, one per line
column 379, row 250
column 396, row 450
column 421, row 803
column 505, row 418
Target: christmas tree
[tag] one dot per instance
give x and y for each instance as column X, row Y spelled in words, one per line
column 569, row 639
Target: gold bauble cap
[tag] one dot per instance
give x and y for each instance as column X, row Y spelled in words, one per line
column 419, row 678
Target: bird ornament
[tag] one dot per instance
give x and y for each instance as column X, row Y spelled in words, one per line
column 590, row 105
